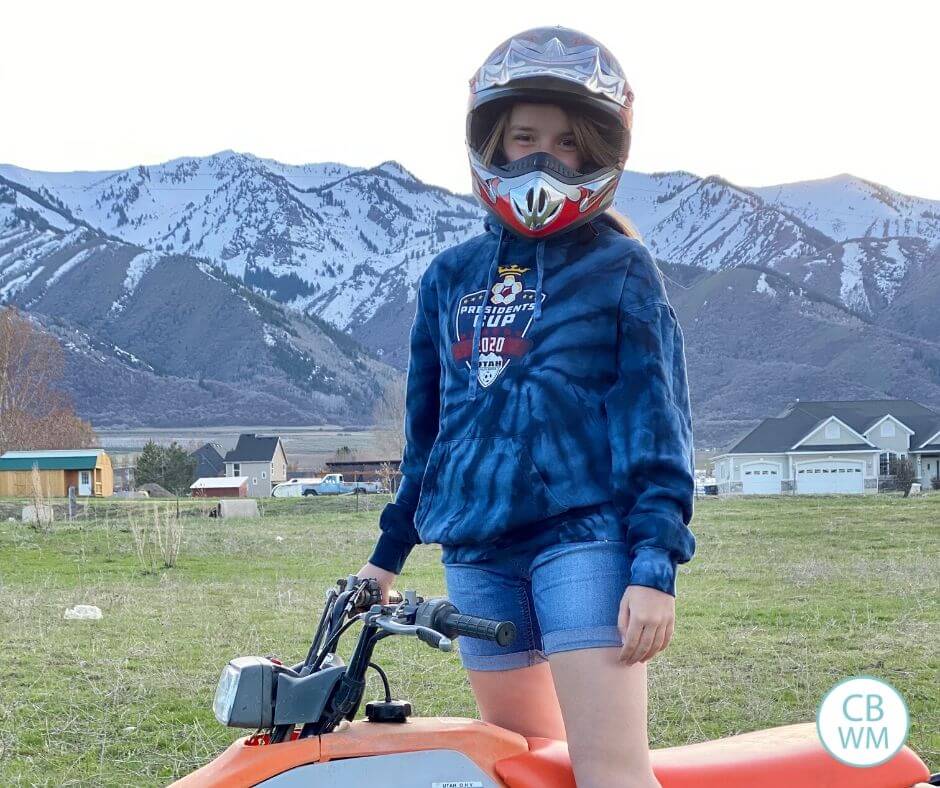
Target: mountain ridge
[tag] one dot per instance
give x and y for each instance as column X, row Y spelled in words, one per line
column 346, row 245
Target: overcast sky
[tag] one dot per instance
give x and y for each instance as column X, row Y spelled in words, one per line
column 758, row 92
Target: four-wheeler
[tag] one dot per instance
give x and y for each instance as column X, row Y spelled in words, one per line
column 305, row 732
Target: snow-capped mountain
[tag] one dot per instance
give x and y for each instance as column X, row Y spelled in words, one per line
column 848, row 207
column 711, row 223
column 863, row 274
column 141, row 324
column 342, row 241
column 346, row 246
column 290, row 232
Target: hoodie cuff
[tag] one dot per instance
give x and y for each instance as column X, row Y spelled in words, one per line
column 390, row 553
column 654, row 568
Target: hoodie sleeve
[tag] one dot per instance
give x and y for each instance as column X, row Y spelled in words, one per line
column 422, row 411
column 650, row 429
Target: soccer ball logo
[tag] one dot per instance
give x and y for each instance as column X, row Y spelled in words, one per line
column 505, row 292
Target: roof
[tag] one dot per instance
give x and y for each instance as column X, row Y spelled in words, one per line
column 50, row 459
column 779, row 434
column 217, row 482
column 210, row 459
column 253, row 448
column 836, row 447
column 209, row 449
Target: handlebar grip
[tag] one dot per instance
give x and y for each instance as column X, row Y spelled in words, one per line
column 501, row 632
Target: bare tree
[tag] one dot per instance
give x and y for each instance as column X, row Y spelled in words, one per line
column 388, row 415
column 34, row 413
column 904, row 474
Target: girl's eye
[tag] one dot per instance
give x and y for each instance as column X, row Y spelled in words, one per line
column 522, row 137
column 568, row 142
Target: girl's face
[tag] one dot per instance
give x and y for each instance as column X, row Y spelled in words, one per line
column 540, row 128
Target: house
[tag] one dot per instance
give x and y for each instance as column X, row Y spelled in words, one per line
column 832, row 447
column 220, row 487
column 259, row 457
column 89, row 471
column 367, row 470
column 210, row 459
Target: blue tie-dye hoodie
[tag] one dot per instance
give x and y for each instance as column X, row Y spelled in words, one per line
column 570, row 392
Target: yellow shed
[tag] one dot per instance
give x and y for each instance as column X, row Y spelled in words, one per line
column 88, row 470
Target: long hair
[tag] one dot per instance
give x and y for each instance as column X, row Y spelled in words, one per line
column 594, row 143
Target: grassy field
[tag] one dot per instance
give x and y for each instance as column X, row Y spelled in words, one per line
column 785, row 597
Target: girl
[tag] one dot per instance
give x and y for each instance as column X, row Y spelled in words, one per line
column 548, row 433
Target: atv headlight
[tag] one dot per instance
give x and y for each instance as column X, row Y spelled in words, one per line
column 245, row 697
column 225, row 694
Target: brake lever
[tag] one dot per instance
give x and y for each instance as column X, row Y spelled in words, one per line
column 430, row 636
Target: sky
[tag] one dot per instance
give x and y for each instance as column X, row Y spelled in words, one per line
column 756, row 92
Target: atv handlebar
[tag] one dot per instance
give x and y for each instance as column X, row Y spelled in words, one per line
column 501, row 632
column 436, row 622
column 338, row 688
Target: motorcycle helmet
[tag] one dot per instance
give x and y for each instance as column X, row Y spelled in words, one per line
column 538, row 195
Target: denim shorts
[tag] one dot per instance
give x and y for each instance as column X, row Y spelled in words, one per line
column 560, row 597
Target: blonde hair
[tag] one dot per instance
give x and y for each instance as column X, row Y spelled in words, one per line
column 589, row 135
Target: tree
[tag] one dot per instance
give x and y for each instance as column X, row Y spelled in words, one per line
column 149, row 465
column 388, row 415
column 904, row 473
column 345, row 454
column 34, row 412
column 169, row 466
column 180, row 469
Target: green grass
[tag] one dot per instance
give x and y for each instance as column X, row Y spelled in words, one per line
column 785, row 597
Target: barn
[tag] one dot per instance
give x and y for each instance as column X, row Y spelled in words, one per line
column 89, row 471
column 220, row 487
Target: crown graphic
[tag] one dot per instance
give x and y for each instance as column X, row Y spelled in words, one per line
column 511, row 269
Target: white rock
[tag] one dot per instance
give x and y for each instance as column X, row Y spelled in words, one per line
column 37, row 514
column 83, row 612
column 278, row 538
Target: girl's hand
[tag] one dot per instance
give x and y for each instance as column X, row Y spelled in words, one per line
column 646, row 622
column 386, row 579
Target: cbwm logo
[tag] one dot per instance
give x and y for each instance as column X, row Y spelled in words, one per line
column 863, row 721
column 507, row 314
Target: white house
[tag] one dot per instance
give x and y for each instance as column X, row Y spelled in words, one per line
column 832, row 447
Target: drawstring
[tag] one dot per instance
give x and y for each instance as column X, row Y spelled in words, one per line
column 478, row 322
column 539, row 251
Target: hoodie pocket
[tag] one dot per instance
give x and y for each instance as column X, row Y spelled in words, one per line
column 477, row 489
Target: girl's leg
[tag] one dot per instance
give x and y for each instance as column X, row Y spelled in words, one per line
column 604, row 707
column 512, row 684
column 577, row 590
column 522, row 700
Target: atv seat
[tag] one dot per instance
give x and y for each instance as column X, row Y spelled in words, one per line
column 789, row 756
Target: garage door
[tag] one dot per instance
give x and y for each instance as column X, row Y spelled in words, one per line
column 761, row 478
column 830, row 476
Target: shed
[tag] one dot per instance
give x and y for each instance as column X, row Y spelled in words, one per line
column 220, row 487
column 88, row 470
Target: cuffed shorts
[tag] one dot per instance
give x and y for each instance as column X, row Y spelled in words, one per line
column 560, row 597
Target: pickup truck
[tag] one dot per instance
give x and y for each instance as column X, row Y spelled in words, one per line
column 293, row 488
column 334, row 484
